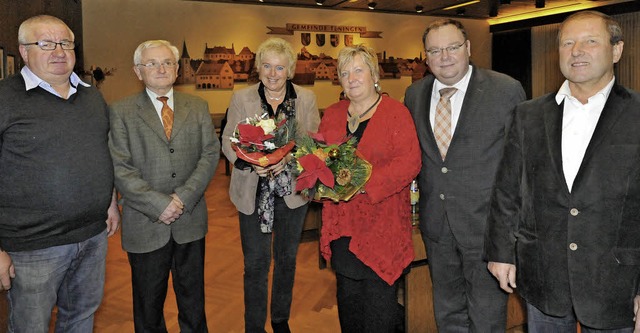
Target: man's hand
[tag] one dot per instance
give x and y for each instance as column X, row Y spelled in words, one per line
column 505, row 273
column 176, row 198
column 636, row 307
column 7, row 271
column 173, row 210
column 113, row 216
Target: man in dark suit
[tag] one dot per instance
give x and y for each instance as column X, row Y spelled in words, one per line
column 164, row 151
column 565, row 211
column 461, row 135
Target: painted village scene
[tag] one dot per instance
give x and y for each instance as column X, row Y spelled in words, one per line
column 221, row 66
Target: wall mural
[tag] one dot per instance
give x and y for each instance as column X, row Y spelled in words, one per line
column 220, row 67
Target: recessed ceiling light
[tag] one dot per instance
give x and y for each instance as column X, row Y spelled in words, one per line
column 419, row 9
column 372, row 5
column 319, row 2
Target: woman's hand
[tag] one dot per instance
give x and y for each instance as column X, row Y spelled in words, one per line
column 279, row 167
column 260, row 171
column 274, row 169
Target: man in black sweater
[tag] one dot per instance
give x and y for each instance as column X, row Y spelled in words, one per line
column 56, row 185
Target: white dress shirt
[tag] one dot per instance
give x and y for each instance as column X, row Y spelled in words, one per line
column 578, row 124
column 456, row 99
column 158, row 104
column 32, row 81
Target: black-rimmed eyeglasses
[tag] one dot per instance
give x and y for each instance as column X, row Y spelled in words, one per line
column 452, row 49
column 50, row 46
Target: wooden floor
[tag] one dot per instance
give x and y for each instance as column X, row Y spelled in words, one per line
column 314, row 303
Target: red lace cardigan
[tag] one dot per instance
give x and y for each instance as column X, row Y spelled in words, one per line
column 377, row 221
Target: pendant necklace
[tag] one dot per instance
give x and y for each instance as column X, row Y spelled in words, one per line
column 353, row 121
column 270, row 97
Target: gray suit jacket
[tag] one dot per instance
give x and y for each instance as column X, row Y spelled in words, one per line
column 148, row 168
column 459, row 188
column 246, row 103
column 580, row 250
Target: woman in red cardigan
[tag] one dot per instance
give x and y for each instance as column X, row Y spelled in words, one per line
column 368, row 239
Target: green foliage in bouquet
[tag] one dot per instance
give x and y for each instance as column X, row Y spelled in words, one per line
column 349, row 171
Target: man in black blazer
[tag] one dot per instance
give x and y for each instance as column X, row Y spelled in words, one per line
column 455, row 182
column 565, row 211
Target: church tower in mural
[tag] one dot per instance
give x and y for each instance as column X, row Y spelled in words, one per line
column 186, row 73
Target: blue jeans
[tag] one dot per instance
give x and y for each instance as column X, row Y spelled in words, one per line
column 70, row 276
column 538, row 322
column 256, row 247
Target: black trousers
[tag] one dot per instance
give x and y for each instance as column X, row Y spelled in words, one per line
column 368, row 306
column 466, row 297
column 257, row 248
column 150, row 277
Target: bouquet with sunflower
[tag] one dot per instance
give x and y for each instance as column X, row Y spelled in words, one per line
column 330, row 167
column 263, row 141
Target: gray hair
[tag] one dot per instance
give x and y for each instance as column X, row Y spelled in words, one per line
column 27, row 26
column 137, row 55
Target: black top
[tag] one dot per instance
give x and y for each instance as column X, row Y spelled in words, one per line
column 56, row 174
column 343, row 260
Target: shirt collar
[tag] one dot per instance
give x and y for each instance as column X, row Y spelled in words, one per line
column 154, row 96
column 32, row 81
column 565, row 91
column 460, row 85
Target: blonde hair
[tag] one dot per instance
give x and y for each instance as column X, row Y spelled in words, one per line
column 368, row 55
column 277, row 46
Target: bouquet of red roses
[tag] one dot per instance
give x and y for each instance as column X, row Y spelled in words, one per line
column 263, row 141
column 330, row 167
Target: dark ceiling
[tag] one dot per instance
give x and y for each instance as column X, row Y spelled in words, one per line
column 482, row 9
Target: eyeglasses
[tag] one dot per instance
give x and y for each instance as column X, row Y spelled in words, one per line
column 50, row 46
column 453, row 49
column 156, row 65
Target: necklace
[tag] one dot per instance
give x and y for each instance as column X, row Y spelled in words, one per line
column 272, row 98
column 353, row 121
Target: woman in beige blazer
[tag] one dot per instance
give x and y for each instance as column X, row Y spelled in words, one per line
column 271, row 213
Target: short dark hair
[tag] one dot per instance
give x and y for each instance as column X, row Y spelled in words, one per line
column 439, row 24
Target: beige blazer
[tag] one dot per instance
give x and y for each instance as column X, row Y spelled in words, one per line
column 246, row 103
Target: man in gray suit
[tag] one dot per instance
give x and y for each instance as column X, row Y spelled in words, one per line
column 165, row 152
column 461, row 133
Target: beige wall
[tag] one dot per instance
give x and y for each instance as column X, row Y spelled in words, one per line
column 114, row 28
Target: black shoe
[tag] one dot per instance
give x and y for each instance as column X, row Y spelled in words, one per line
column 282, row 327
